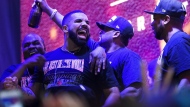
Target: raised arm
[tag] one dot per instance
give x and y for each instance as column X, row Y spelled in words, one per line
column 35, row 60
column 97, row 57
column 52, row 13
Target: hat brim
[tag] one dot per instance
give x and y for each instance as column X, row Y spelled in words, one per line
column 103, row 25
column 149, row 12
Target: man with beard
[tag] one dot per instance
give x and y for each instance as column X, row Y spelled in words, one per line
column 20, row 75
column 97, row 58
column 67, row 68
column 169, row 17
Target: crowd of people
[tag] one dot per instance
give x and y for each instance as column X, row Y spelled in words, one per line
column 116, row 76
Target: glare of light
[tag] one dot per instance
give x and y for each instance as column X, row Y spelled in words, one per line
column 151, row 18
column 117, row 2
column 140, row 23
column 53, row 33
column 162, row 44
column 186, row 28
column 185, row 3
column 129, row 21
column 157, row 2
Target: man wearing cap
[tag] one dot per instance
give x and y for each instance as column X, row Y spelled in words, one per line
column 169, row 17
column 114, row 37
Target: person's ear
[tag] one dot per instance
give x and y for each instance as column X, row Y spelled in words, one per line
column 65, row 28
column 166, row 19
column 116, row 34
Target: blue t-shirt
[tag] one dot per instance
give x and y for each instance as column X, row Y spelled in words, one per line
column 176, row 53
column 126, row 65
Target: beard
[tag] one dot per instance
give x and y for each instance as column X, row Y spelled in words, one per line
column 80, row 42
column 159, row 32
column 105, row 42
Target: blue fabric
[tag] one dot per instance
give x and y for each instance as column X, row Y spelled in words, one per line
column 8, row 71
column 37, row 76
column 176, row 53
column 10, row 51
column 92, row 44
column 126, row 65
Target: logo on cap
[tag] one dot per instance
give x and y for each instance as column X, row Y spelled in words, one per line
column 113, row 18
column 117, row 26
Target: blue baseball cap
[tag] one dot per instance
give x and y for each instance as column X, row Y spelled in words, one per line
column 119, row 24
column 173, row 8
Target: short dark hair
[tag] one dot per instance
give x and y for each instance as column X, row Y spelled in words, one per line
column 42, row 40
column 126, row 37
column 68, row 15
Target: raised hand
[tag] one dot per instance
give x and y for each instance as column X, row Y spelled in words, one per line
column 35, row 60
column 10, row 83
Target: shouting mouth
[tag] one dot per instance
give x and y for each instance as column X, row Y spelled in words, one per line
column 82, row 33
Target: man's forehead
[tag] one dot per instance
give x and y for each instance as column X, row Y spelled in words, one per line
column 79, row 16
column 31, row 38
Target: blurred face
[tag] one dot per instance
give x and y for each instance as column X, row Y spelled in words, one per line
column 106, row 36
column 78, row 28
column 32, row 44
column 158, row 26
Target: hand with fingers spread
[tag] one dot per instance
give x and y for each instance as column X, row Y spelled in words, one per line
column 10, row 83
column 97, row 60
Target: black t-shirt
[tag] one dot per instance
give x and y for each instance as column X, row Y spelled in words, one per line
column 64, row 69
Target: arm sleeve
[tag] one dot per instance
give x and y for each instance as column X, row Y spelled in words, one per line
column 131, row 70
column 92, row 44
column 179, row 57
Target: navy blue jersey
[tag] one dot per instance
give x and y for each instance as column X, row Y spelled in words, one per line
column 126, row 65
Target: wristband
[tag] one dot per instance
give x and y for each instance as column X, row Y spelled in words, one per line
column 53, row 13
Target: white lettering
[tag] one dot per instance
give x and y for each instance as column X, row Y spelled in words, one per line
column 140, row 23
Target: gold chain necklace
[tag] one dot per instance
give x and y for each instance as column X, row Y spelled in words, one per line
column 64, row 49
